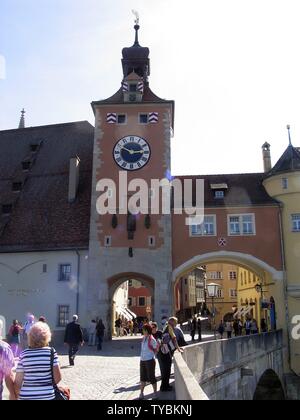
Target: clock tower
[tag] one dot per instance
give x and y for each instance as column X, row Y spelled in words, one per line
column 132, row 142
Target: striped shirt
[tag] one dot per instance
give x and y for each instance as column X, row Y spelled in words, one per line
column 35, row 364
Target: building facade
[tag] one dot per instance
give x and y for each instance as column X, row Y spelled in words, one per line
column 60, row 254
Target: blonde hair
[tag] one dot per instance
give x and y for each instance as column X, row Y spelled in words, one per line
column 39, row 335
column 174, row 319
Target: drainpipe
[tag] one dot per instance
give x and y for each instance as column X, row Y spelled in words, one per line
column 285, row 285
column 78, row 282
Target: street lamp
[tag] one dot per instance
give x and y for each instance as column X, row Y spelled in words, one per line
column 212, row 291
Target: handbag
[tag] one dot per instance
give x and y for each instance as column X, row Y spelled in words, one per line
column 61, row 393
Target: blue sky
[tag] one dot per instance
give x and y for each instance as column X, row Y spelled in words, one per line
column 232, row 67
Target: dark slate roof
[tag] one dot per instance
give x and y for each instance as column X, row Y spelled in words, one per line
column 243, row 190
column 42, row 218
column 289, row 162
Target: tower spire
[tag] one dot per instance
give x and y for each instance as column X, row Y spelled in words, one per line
column 22, row 119
column 136, row 26
column 289, row 132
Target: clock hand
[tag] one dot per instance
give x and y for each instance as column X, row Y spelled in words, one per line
column 138, row 151
column 128, row 150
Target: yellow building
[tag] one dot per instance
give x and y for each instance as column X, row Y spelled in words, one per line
column 283, row 183
column 225, row 275
column 254, row 298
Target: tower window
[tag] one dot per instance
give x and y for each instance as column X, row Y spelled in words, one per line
column 151, row 241
column 285, row 183
column 121, row 118
column 17, row 186
column 6, row 209
column 107, row 241
column 143, row 118
column 26, row 165
column 34, row 147
column 133, row 87
column 296, row 222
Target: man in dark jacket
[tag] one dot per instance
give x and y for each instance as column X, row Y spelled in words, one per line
column 73, row 338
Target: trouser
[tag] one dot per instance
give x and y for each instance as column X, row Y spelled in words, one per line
column 100, row 341
column 92, row 339
column 229, row 334
column 118, row 330
column 200, row 335
column 193, row 333
column 165, row 364
column 73, row 349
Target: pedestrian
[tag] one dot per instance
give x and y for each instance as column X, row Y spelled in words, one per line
column 199, row 328
column 73, row 338
column 240, row 328
column 221, row 329
column 7, row 363
column 118, row 326
column 193, row 328
column 254, row 327
column 168, row 346
column 236, row 328
column 164, row 321
column 147, row 365
column 42, row 319
column 248, row 326
column 135, row 327
column 180, row 336
column 27, row 326
column 263, row 326
column 34, row 371
column 100, row 329
column 228, row 329
column 92, row 333
column 15, row 337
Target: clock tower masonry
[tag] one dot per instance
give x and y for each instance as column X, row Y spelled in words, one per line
column 132, row 138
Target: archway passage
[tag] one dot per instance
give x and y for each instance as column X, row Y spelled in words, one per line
column 132, row 302
column 269, row 388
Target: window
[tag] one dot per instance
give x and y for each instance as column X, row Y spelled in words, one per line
column 44, row 268
column 63, row 315
column 26, row 165
column 233, row 293
column 219, row 194
column 143, row 118
column 17, row 186
column 151, row 241
column 285, row 183
column 65, row 272
column 107, row 241
column 243, row 224
column 121, row 119
column 6, row 209
column 129, row 283
column 215, row 275
column 220, row 294
column 208, row 227
column 296, row 222
column 130, row 301
column 142, row 301
column 232, row 275
column 133, row 87
column 34, row 147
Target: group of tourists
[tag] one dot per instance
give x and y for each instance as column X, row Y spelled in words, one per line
column 239, row 328
column 96, row 333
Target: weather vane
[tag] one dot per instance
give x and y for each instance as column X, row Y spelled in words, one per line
column 137, row 17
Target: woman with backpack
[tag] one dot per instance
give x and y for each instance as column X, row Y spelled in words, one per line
column 15, row 337
column 149, row 349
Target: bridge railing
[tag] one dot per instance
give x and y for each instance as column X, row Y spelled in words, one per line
column 201, row 362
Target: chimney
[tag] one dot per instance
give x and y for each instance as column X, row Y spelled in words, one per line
column 266, row 150
column 73, row 178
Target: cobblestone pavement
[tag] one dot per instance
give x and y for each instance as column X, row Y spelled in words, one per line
column 112, row 374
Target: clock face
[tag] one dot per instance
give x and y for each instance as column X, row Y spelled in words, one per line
column 132, row 153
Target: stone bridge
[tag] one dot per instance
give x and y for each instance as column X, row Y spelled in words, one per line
column 243, row 368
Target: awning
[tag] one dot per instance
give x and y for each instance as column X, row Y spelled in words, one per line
column 243, row 311
column 123, row 312
column 132, row 314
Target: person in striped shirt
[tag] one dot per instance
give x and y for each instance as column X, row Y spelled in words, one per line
column 34, row 372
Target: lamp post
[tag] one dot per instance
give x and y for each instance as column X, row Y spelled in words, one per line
column 212, row 291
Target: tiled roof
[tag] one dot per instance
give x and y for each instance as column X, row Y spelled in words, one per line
column 243, row 190
column 42, row 218
column 289, row 161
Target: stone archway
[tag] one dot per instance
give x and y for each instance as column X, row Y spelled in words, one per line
column 269, row 387
column 116, row 281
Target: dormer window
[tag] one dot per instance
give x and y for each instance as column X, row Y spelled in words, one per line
column 6, row 209
column 143, row 119
column 26, row 165
column 34, row 147
column 219, row 194
column 17, row 186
